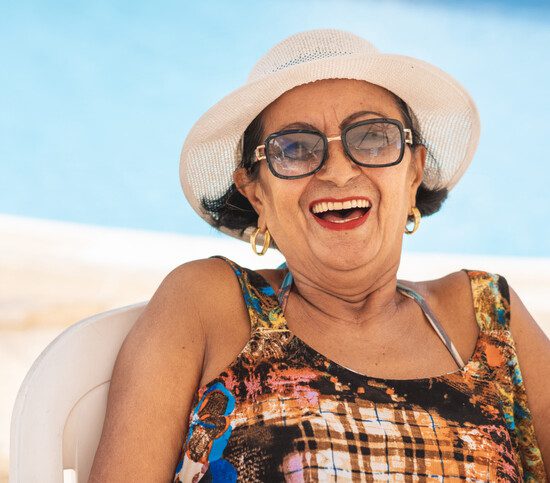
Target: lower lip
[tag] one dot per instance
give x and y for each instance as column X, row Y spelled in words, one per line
column 348, row 225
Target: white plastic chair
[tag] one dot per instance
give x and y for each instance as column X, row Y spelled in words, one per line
column 60, row 407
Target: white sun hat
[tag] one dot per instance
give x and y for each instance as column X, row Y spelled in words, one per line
column 447, row 116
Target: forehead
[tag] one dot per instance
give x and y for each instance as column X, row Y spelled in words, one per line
column 325, row 103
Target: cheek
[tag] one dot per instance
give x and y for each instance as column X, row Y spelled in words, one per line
column 281, row 198
column 393, row 192
column 286, row 204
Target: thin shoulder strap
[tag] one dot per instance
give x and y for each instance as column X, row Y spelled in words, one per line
column 284, row 290
column 436, row 325
column 264, row 312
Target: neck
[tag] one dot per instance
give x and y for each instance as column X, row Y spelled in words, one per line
column 362, row 298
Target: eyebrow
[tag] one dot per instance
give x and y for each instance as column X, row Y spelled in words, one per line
column 343, row 124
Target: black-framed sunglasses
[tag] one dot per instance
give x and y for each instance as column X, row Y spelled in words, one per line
column 372, row 143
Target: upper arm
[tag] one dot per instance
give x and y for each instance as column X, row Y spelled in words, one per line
column 154, row 377
column 533, row 352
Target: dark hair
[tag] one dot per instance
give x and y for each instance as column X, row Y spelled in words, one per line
column 233, row 210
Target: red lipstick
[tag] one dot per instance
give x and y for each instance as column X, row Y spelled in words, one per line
column 343, row 225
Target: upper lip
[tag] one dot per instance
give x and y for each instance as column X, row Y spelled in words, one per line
column 337, row 200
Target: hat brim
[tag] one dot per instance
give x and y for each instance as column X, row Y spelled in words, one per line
column 447, row 115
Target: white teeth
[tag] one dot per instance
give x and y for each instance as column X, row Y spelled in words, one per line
column 337, row 205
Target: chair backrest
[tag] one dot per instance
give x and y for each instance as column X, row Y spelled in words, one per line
column 60, row 407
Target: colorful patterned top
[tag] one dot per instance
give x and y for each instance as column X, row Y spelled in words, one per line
column 284, row 412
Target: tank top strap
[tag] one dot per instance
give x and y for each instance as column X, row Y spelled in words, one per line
column 491, row 296
column 286, row 285
column 432, row 319
column 261, row 301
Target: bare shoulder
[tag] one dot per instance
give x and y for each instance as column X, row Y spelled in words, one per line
column 200, row 275
column 155, row 372
column 219, row 300
column 225, row 315
column 207, row 286
column 214, row 288
column 211, row 288
column 533, row 353
column 451, row 299
column 452, row 291
column 188, row 298
column 155, row 375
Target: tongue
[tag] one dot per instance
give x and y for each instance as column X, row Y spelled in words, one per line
column 339, row 215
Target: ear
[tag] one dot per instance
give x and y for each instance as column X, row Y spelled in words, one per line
column 418, row 161
column 249, row 188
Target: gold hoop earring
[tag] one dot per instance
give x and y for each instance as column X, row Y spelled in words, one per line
column 267, row 241
column 417, row 216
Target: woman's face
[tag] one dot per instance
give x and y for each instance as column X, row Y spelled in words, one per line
column 285, row 206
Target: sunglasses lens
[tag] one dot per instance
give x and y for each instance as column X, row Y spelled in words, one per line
column 295, row 154
column 375, row 143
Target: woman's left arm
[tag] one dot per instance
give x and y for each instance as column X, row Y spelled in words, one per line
column 533, row 352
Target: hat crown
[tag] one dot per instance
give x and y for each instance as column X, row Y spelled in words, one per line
column 309, row 46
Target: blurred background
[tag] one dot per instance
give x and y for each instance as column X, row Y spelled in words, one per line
column 97, row 97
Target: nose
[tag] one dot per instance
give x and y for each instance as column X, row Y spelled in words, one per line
column 338, row 168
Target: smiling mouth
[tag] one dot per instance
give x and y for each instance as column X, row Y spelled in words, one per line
column 342, row 216
column 341, row 212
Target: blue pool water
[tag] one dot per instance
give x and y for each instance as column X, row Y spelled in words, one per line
column 96, row 100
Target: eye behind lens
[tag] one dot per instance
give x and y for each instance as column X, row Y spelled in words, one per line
column 375, row 143
column 296, row 154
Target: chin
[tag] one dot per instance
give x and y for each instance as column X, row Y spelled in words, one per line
column 345, row 255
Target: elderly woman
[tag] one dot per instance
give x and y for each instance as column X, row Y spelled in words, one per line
column 329, row 368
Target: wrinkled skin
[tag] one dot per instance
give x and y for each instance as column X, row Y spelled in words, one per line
column 349, row 275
